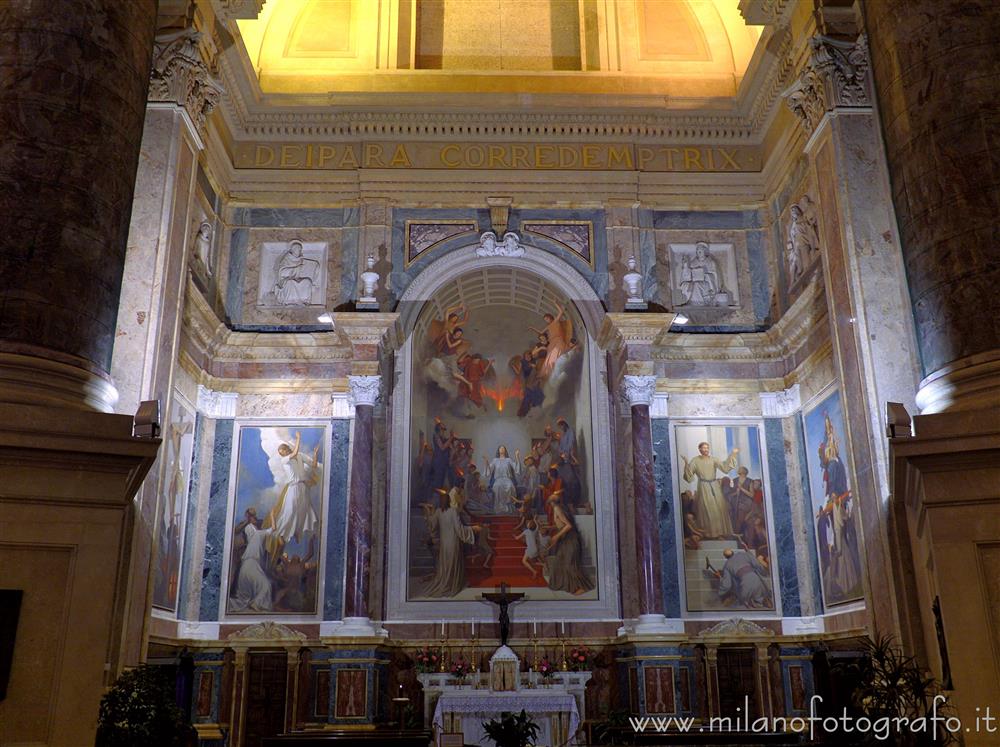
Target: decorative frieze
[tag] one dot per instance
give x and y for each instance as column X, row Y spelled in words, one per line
column 180, row 75
column 835, row 77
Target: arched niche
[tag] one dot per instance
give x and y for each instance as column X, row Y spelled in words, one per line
column 503, row 296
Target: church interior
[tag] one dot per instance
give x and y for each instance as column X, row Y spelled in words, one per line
column 371, row 369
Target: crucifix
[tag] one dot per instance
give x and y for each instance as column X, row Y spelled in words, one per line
column 503, row 600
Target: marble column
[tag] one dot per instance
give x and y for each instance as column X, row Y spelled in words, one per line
column 365, row 391
column 936, row 74
column 639, row 391
column 71, row 110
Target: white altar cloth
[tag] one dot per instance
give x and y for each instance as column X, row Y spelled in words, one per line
column 555, row 713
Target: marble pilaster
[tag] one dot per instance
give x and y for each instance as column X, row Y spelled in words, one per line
column 71, row 109
column 872, row 332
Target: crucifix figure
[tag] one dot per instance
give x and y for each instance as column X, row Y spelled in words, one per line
column 503, row 600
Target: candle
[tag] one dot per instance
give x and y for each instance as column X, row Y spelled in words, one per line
column 442, row 628
column 473, row 628
column 562, row 628
column 534, row 629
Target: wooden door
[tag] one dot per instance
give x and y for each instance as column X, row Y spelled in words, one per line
column 737, row 683
column 265, row 701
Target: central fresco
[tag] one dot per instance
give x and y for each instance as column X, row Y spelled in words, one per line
column 501, row 485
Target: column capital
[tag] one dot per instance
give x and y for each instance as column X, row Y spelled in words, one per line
column 213, row 404
column 365, row 390
column 835, row 76
column 180, row 75
column 638, row 390
column 782, row 404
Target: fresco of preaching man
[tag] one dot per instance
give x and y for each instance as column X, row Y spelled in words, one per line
column 710, row 507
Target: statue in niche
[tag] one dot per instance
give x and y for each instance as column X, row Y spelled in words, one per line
column 701, row 281
column 297, row 275
column 632, row 280
column 203, row 246
column 794, row 263
column 803, row 233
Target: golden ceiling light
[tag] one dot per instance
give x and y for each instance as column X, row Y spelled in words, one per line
column 656, row 48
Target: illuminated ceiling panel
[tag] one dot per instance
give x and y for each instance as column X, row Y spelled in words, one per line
column 683, row 48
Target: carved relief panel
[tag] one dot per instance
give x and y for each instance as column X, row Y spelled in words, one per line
column 703, row 274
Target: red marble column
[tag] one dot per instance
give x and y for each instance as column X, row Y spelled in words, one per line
column 73, row 81
column 638, row 390
column 936, row 73
column 357, row 583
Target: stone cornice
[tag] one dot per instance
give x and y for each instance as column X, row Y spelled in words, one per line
column 209, row 336
column 640, row 328
column 780, row 341
column 254, row 115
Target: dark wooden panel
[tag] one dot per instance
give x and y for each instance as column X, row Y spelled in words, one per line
column 265, row 702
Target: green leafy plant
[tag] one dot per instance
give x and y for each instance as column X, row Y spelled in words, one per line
column 891, row 685
column 140, row 709
column 612, row 730
column 512, row 730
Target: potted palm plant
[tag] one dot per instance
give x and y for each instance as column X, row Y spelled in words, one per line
column 141, row 708
column 512, row 730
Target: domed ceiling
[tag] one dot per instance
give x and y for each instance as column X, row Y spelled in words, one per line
column 620, row 49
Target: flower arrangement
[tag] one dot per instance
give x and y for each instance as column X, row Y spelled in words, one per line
column 546, row 669
column 427, row 659
column 579, row 658
column 460, row 668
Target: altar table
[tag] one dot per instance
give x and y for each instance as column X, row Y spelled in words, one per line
column 555, row 713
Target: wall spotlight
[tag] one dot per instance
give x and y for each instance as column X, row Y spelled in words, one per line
column 681, row 319
column 326, row 318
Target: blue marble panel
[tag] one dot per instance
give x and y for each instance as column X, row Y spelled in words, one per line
column 336, row 522
column 678, row 657
column 207, row 661
column 647, row 260
column 238, row 248
column 759, row 279
column 667, row 518
column 402, row 275
column 215, row 530
column 349, row 247
column 706, row 219
column 192, row 512
column 376, row 666
column 807, row 516
column 781, row 509
column 797, row 656
column 297, row 217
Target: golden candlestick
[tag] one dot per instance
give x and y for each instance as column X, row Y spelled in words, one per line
column 442, row 667
column 565, row 665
